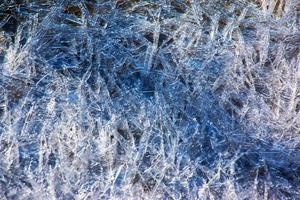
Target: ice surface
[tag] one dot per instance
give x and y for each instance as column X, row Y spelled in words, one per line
column 133, row 99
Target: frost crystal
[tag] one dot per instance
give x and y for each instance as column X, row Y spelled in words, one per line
column 136, row 99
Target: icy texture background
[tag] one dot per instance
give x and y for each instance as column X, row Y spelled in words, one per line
column 132, row 99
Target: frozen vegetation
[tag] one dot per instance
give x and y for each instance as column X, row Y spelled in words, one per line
column 165, row 99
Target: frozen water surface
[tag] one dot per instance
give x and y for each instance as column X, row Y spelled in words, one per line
column 132, row 99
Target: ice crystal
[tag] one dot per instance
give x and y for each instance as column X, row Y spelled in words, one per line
column 156, row 99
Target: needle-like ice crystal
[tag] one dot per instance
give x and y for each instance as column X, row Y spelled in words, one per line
column 149, row 99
